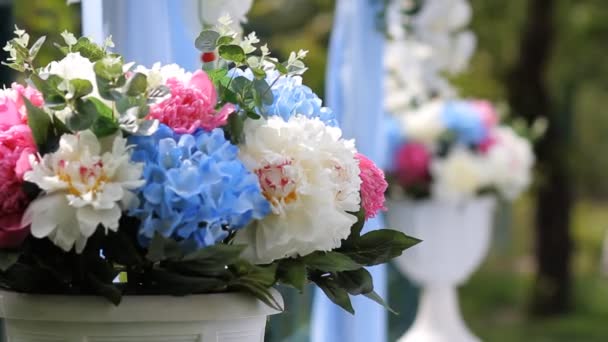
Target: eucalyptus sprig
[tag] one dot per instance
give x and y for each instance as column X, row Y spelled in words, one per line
column 21, row 57
column 235, row 52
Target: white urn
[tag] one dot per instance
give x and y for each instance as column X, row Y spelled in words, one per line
column 455, row 240
column 225, row 317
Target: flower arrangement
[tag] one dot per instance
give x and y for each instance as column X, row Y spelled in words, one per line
column 456, row 149
column 119, row 179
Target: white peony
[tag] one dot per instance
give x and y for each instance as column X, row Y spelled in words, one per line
column 510, row 162
column 311, row 178
column 83, row 186
column 424, row 124
column 460, row 175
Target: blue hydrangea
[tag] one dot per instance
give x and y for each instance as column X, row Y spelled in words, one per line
column 197, row 190
column 461, row 118
column 291, row 97
column 395, row 138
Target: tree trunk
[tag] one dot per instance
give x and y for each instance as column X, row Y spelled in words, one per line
column 6, row 33
column 530, row 98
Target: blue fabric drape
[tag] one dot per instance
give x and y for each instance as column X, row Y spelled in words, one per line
column 146, row 31
column 355, row 93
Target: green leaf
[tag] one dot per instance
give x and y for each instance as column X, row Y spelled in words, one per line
column 80, row 87
column 376, row 298
column 137, row 84
column 120, row 248
column 355, row 230
column 88, row 49
column 259, row 73
column 85, row 115
column 217, row 75
column 60, row 127
column 292, row 272
column 280, row 67
column 108, row 68
column 240, row 84
column 35, row 48
column 256, row 280
column 263, row 89
column 49, row 89
column 377, row 247
column 235, row 128
column 104, row 126
column 253, row 115
column 330, row 262
column 232, row 53
column 101, row 283
column 355, row 282
column 162, row 248
column 181, row 285
column 14, row 66
column 39, row 122
column 217, row 254
column 8, row 259
column 259, row 291
column 224, row 40
column 207, row 40
column 264, row 275
column 336, row 294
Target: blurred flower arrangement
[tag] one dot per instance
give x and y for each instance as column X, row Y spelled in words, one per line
column 441, row 146
column 428, row 41
column 456, row 149
column 120, row 179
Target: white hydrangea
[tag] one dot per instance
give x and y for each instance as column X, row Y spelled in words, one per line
column 435, row 43
column 460, row 175
column 310, row 176
column 510, row 162
column 425, row 124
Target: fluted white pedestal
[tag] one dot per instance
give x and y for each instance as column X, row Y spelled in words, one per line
column 227, row 317
column 455, row 239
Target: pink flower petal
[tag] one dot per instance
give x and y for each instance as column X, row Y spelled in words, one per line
column 373, row 186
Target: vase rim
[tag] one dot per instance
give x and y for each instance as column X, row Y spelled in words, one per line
column 134, row 308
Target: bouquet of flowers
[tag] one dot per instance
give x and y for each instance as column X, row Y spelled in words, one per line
column 455, row 149
column 118, row 179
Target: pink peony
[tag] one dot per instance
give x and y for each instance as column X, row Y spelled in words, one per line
column 488, row 114
column 16, row 145
column 12, row 107
column 373, row 186
column 486, row 144
column 191, row 106
column 412, row 164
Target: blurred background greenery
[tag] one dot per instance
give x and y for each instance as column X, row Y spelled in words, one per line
column 574, row 76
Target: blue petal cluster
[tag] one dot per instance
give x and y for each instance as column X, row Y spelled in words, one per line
column 291, row 97
column 395, row 138
column 461, row 118
column 197, row 190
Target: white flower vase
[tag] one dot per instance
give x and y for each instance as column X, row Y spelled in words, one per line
column 225, row 317
column 455, row 239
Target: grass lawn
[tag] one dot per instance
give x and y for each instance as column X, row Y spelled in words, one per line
column 494, row 301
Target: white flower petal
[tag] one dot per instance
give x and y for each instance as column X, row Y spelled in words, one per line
column 48, row 213
column 312, row 178
column 90, row 218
